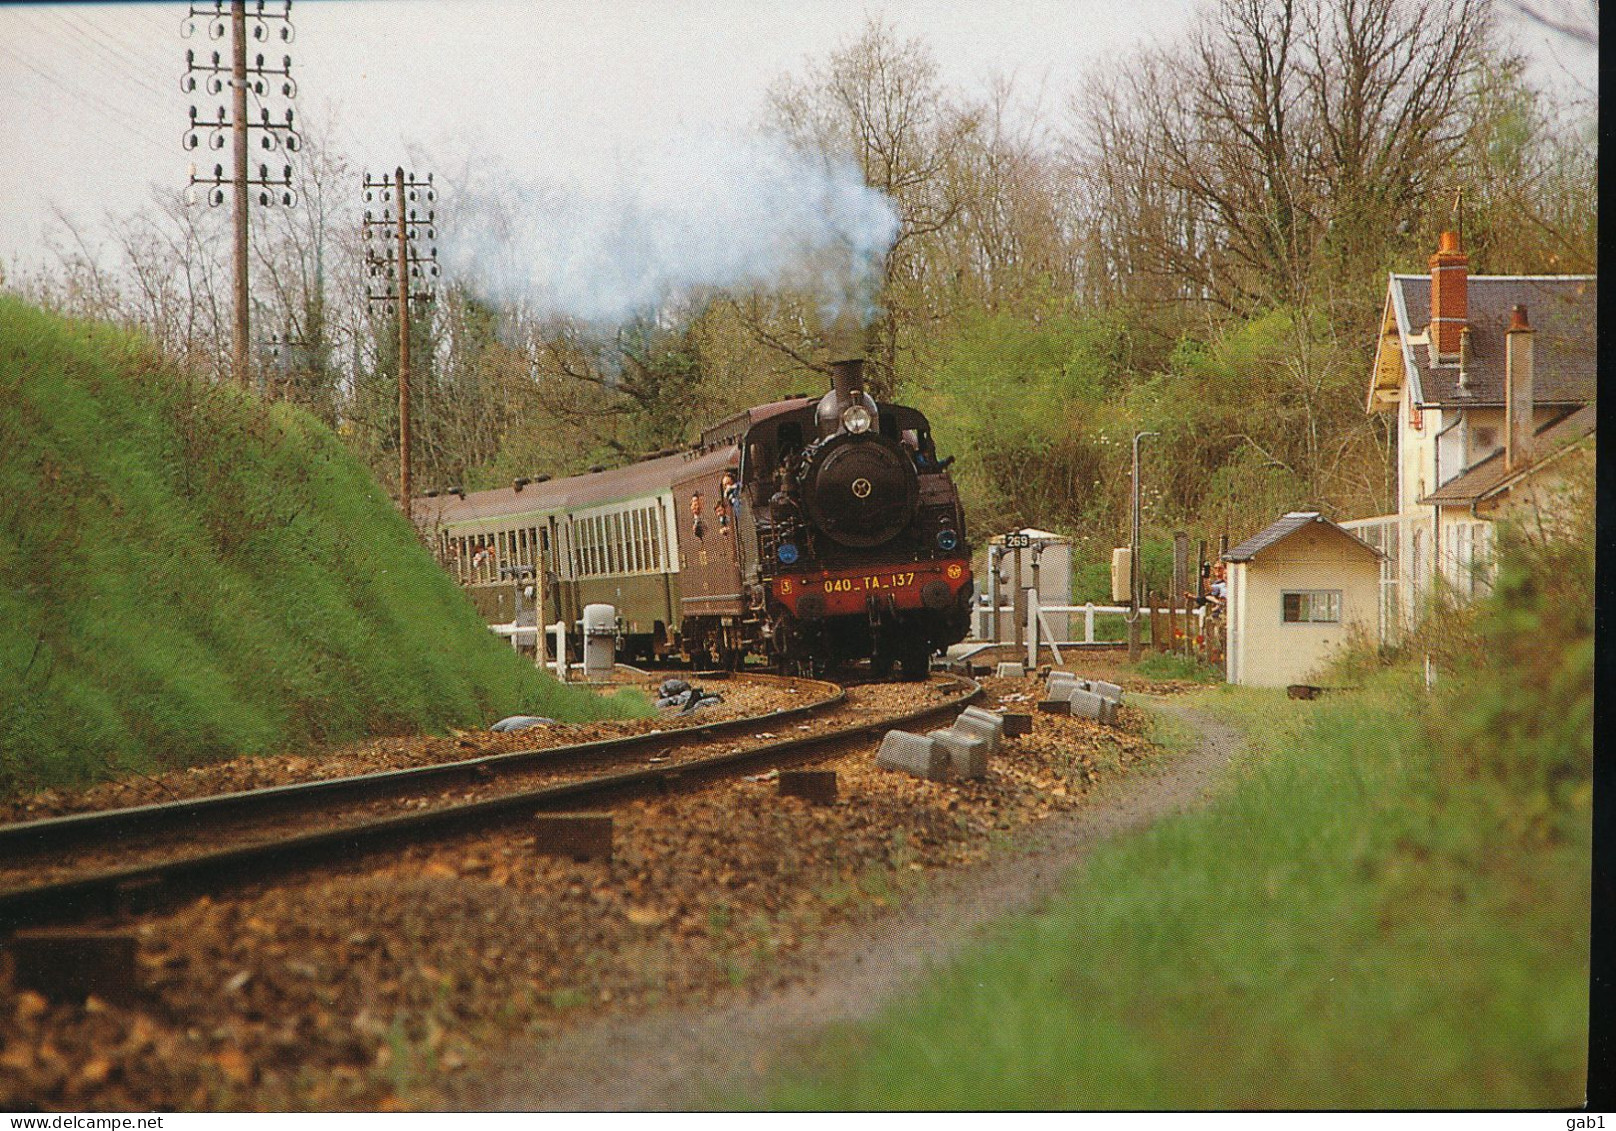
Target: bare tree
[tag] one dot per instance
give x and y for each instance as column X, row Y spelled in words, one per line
column 1294, row 143
column 878, row 102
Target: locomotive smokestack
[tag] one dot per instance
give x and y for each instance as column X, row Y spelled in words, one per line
column 845, row 352
column 846, row 379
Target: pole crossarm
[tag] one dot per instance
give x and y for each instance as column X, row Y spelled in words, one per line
column 232, row 125
column 215, row 74
column 399, row 217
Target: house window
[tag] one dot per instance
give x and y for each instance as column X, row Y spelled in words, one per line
column 1311, row 606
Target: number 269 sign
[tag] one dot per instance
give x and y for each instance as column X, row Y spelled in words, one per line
column 1017, row 541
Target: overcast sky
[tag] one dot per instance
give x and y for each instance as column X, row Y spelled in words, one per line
column 92, row 114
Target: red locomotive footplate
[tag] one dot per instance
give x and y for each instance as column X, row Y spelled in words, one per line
column 847, row 591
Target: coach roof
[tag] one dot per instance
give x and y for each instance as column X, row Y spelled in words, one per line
column 636, row 480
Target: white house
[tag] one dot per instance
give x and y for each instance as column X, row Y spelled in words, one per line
column 1492, row 379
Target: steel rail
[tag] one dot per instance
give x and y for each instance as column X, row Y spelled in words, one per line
column 145, row 887
column 99, row 826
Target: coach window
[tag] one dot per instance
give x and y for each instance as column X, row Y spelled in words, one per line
column 642, row 552
column 1311, row 606
column 616, row 523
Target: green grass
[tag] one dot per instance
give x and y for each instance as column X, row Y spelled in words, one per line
column 1352, row 924
column 1172, row 665
column 191, row 575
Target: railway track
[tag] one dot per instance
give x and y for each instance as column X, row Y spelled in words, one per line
column 272, row 832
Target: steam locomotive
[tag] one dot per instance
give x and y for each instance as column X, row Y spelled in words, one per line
column 810, row 531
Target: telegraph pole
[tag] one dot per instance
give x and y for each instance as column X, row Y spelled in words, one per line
column 274, row 135
column 238, row 130
column 402, row 262
column 404, row 495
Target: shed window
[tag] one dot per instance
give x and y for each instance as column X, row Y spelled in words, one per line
column 1312, row 606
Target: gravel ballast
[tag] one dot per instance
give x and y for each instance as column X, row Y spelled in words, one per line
column 408, row 983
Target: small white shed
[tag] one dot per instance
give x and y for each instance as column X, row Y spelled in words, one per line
column 1296, row 592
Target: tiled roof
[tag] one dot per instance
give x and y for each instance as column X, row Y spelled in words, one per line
column 1283, row 528
column 1490, row 474
column 1561, row 310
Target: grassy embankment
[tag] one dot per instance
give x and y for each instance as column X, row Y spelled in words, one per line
column 190, row 575
column 1386, row 907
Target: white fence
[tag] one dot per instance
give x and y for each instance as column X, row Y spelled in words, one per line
column 1038, row 634
column 528, row 634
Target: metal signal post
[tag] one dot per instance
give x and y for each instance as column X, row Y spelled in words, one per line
column 1134, row 573
column 402, row 261
column 272, row 135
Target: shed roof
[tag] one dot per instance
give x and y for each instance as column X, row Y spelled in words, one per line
column 1282, row 529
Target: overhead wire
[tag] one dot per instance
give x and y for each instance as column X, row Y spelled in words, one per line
column 86, row 95
column 92, row 37
column 112, row 117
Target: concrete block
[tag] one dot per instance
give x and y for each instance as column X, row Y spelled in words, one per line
column 71, row 964
column 1110, row 690
column 1052, row 706
column 916, row 754
column 967, row 752
column 1016, row 724
column 582, row 836
column 1086, row 704
column 1061, row 682
column 984, row 723
column 816, row 786
column 1010, row 670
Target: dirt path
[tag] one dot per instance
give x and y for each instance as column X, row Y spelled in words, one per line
column 688, row 1059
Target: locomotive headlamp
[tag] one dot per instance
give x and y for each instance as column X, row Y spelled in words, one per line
column 787, row 553
column 947, row 539
column 857, row 419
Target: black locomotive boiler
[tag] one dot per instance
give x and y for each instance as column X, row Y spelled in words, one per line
column 809, row 531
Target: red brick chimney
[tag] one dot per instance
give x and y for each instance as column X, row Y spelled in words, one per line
column 1518, row 391
column 1450, row 268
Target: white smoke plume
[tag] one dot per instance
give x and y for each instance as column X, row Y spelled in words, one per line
column 721, row 213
